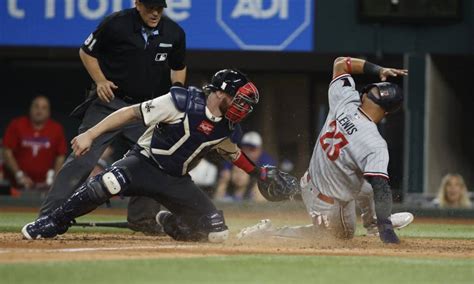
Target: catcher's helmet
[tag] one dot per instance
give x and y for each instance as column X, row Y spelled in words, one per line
column 390, row 96
column 236, row 84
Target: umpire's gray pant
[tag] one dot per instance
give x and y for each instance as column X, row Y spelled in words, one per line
column 76, row 170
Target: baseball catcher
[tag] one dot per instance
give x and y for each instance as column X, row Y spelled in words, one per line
column 183, row 126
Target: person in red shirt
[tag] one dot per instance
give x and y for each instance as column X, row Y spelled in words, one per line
column 33, row 146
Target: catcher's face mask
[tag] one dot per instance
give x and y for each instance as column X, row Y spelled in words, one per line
column 242, row 104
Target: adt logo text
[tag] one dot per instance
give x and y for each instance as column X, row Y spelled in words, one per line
column 264, row 24
column 256, row 9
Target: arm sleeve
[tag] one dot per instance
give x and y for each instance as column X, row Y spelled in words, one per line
column 95, row 42
column 232, row 152
column 11, row 139
column 382, row 197
column 177, row 57
column 161, row 109
column 342, row 89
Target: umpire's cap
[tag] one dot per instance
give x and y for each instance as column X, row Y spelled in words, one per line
column 390, row 96
column 154, row 3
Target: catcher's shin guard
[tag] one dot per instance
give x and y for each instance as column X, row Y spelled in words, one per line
column 96, row 191
column 44, row 227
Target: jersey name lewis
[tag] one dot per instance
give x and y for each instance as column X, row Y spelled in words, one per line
column 346, row 123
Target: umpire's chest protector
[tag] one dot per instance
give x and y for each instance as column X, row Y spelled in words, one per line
column 177, row 148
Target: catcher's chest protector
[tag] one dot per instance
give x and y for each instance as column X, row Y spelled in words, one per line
column 177, row 148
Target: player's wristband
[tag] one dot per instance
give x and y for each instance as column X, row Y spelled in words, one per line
column 245, row 164
column 19, row 175
column 372, row 69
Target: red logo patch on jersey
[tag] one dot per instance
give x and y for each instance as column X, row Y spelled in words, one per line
column 206, row 127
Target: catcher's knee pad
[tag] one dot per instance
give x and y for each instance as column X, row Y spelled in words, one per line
column 107, row 184
column 214, row 226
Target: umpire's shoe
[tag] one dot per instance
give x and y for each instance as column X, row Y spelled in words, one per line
column 44, row 227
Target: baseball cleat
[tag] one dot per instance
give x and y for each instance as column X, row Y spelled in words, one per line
column 43, row 227
column 255, row 231
column 399, row 221
column 162, row 216
column 218, row 237
column 26, row 232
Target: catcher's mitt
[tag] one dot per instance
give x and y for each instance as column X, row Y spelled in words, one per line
column 276, row 185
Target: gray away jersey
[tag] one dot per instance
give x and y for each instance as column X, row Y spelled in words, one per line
column 349, row 146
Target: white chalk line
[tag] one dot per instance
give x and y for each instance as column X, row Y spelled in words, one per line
column 67, row 250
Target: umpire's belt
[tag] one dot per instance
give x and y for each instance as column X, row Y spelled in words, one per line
column 323, row 197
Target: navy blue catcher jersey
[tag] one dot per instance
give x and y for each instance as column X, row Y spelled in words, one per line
column 182, row 130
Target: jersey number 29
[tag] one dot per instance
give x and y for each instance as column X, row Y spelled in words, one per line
column 334, row 140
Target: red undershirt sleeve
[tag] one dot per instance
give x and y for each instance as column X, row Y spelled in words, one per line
column 244, row 163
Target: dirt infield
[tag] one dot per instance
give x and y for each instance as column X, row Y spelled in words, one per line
column 95, row 246
column 125, row 245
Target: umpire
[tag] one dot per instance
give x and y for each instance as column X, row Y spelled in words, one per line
column 127, row 56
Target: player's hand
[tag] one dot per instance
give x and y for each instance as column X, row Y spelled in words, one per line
column 391, row 72
column 321, row 220
column 82, row 143
column 23, row 180
column 105, row 90
column 26, row 182
column 386, row 232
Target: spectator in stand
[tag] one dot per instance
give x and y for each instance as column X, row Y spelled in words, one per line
column 34, row 147
column 234, row 184
column 453, row 193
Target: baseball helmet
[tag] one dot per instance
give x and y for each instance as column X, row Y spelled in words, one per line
column 236, row 84
column 390, row 96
